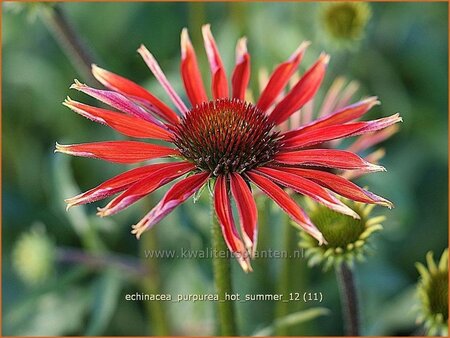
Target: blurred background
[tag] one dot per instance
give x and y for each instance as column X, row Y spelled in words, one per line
column 67, row 273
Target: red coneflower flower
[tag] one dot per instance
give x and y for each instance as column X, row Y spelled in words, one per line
column 225, row 139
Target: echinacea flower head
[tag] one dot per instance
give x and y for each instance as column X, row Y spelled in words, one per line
column 348, row 238
column 433, row 294
column 224, row 139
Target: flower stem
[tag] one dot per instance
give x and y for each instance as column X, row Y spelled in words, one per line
column 222, row 279
column 349, row 299
column 70, row 42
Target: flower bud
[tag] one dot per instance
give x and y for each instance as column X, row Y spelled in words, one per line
column 347, row 237
column 33, row 256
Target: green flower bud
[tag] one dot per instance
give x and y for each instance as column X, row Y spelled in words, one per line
column 33, row 256
column 347, row 237
column 433, row 294
column 345, row 22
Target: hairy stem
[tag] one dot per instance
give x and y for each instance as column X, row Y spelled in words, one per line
column 349, row 299
column 222, row 279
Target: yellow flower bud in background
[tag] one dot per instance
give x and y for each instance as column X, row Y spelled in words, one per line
column 33, row 256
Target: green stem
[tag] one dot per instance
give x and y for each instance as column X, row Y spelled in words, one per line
column 70, row 42
column 293, row 277
column 222, row 278
column 282, row 308
column 349, row 299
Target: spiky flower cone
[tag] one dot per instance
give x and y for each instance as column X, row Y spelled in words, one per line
column 433, row 294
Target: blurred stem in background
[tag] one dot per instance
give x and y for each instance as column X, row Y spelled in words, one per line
column 222, row 279
column 264, row 238
column 282, row 308
column 293, row 277
column 151, row 284
column 238, row 15
column 349, row 298
column 68, row 39
column 196, row 18
column 128, row 265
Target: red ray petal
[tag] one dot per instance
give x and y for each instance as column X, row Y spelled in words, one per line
column 330, row 158
column 340, row 185
column 125, row 124
column 343, row 115
column 301, row 138
column 332, row 96
column 190, row 73
column 117, row 151
column 248, row 213
column 146, row 186
column 114, row 185
column 158, row 73
column 280, row 77
column 130, row 88
column 286, row 203
column 373, row 157
column 309, row 137
column 176, row 195
column 116, row 100
column 241, row 73
column 302, row 92
column 369, row 140
column 347, row 94
column 219, row 79
column 307, row 188
column 224, row 214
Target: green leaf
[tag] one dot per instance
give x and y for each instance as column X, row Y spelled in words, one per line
column 211, row 183
column 198, row 193
column 399, row 313
column 292, row 319
column 106, row 295
column 65, row 187
column 44, row 312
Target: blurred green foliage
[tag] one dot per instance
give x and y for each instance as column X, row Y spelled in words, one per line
column 402, row 59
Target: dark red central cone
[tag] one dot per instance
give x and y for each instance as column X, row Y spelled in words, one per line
column 226, row 135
